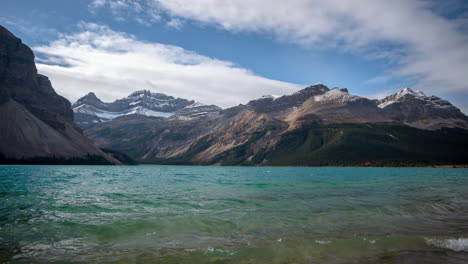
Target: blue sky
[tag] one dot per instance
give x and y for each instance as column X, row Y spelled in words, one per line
column 227, row 52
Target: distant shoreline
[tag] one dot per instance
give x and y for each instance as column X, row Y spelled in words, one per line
column 429, row 166
column 166, row 165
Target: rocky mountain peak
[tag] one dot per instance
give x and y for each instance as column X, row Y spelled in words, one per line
column 140, row 92
column 417, row 109
column 280, row 105
column 90, row 109
column 89, row 99
column 148, row 94
column 344, row 90
column 312, row 90
column 407, row 94
column 91, row 95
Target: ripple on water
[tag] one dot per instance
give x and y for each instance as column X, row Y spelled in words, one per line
column 231, row 214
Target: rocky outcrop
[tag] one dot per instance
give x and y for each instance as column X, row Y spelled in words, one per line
column 283, row 105
column 20, row 81
column 90, row 109
column 35, row 121
column 416, row 109
column 338, row 106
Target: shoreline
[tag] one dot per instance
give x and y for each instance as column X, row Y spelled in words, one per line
column 291, row 166
column 429, row 166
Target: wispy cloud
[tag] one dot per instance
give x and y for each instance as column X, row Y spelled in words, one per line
column 141, row 11
column 113, row 64
column 27, row 28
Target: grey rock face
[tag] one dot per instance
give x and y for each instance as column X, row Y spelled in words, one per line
column 20, row 81
column 35, row 121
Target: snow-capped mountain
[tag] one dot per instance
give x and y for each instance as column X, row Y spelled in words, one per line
column 314, row 126
column 417, row 109
column 318, row 102
column 90, row 109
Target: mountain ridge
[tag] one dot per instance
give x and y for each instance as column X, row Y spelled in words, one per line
column 416, row 109
column 317, row 126
column 90, row 109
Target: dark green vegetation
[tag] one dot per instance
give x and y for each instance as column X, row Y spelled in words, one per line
column 122, row 157
column 382, row 145
column 86, row 160
column 336, row 145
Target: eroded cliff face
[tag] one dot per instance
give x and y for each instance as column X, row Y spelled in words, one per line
column 35, row 121
column 20, row 81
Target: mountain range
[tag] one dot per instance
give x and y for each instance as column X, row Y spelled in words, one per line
column 90, row 109
column 315, row 126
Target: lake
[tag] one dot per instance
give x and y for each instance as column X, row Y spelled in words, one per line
column 180, row 214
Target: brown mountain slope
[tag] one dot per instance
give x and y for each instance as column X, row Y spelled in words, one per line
column 35, row 122
column 337, row 106
column 203, row 140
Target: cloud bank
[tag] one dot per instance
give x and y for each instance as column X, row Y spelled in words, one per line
column 423, row 42
column 114, row 64
column 415, row 40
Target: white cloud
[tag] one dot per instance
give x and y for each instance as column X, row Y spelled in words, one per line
column 114, row 64
column 411, row 35
column 175, row 23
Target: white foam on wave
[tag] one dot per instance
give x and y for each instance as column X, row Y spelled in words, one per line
column 323, row 242
column 216, row 251
column 456, row 244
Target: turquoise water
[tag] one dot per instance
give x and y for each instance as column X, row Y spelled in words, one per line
column 151, row 214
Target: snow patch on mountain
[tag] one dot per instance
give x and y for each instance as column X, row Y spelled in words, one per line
column 144, row 102
column 107, row 115
column 398, row 96
column 408, row 94
column 336, row 95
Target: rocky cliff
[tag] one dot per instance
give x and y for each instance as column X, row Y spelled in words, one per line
column 36, row 123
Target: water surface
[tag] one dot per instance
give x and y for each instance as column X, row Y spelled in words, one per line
column 151, row 214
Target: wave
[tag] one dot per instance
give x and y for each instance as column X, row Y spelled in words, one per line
column 456, row 244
